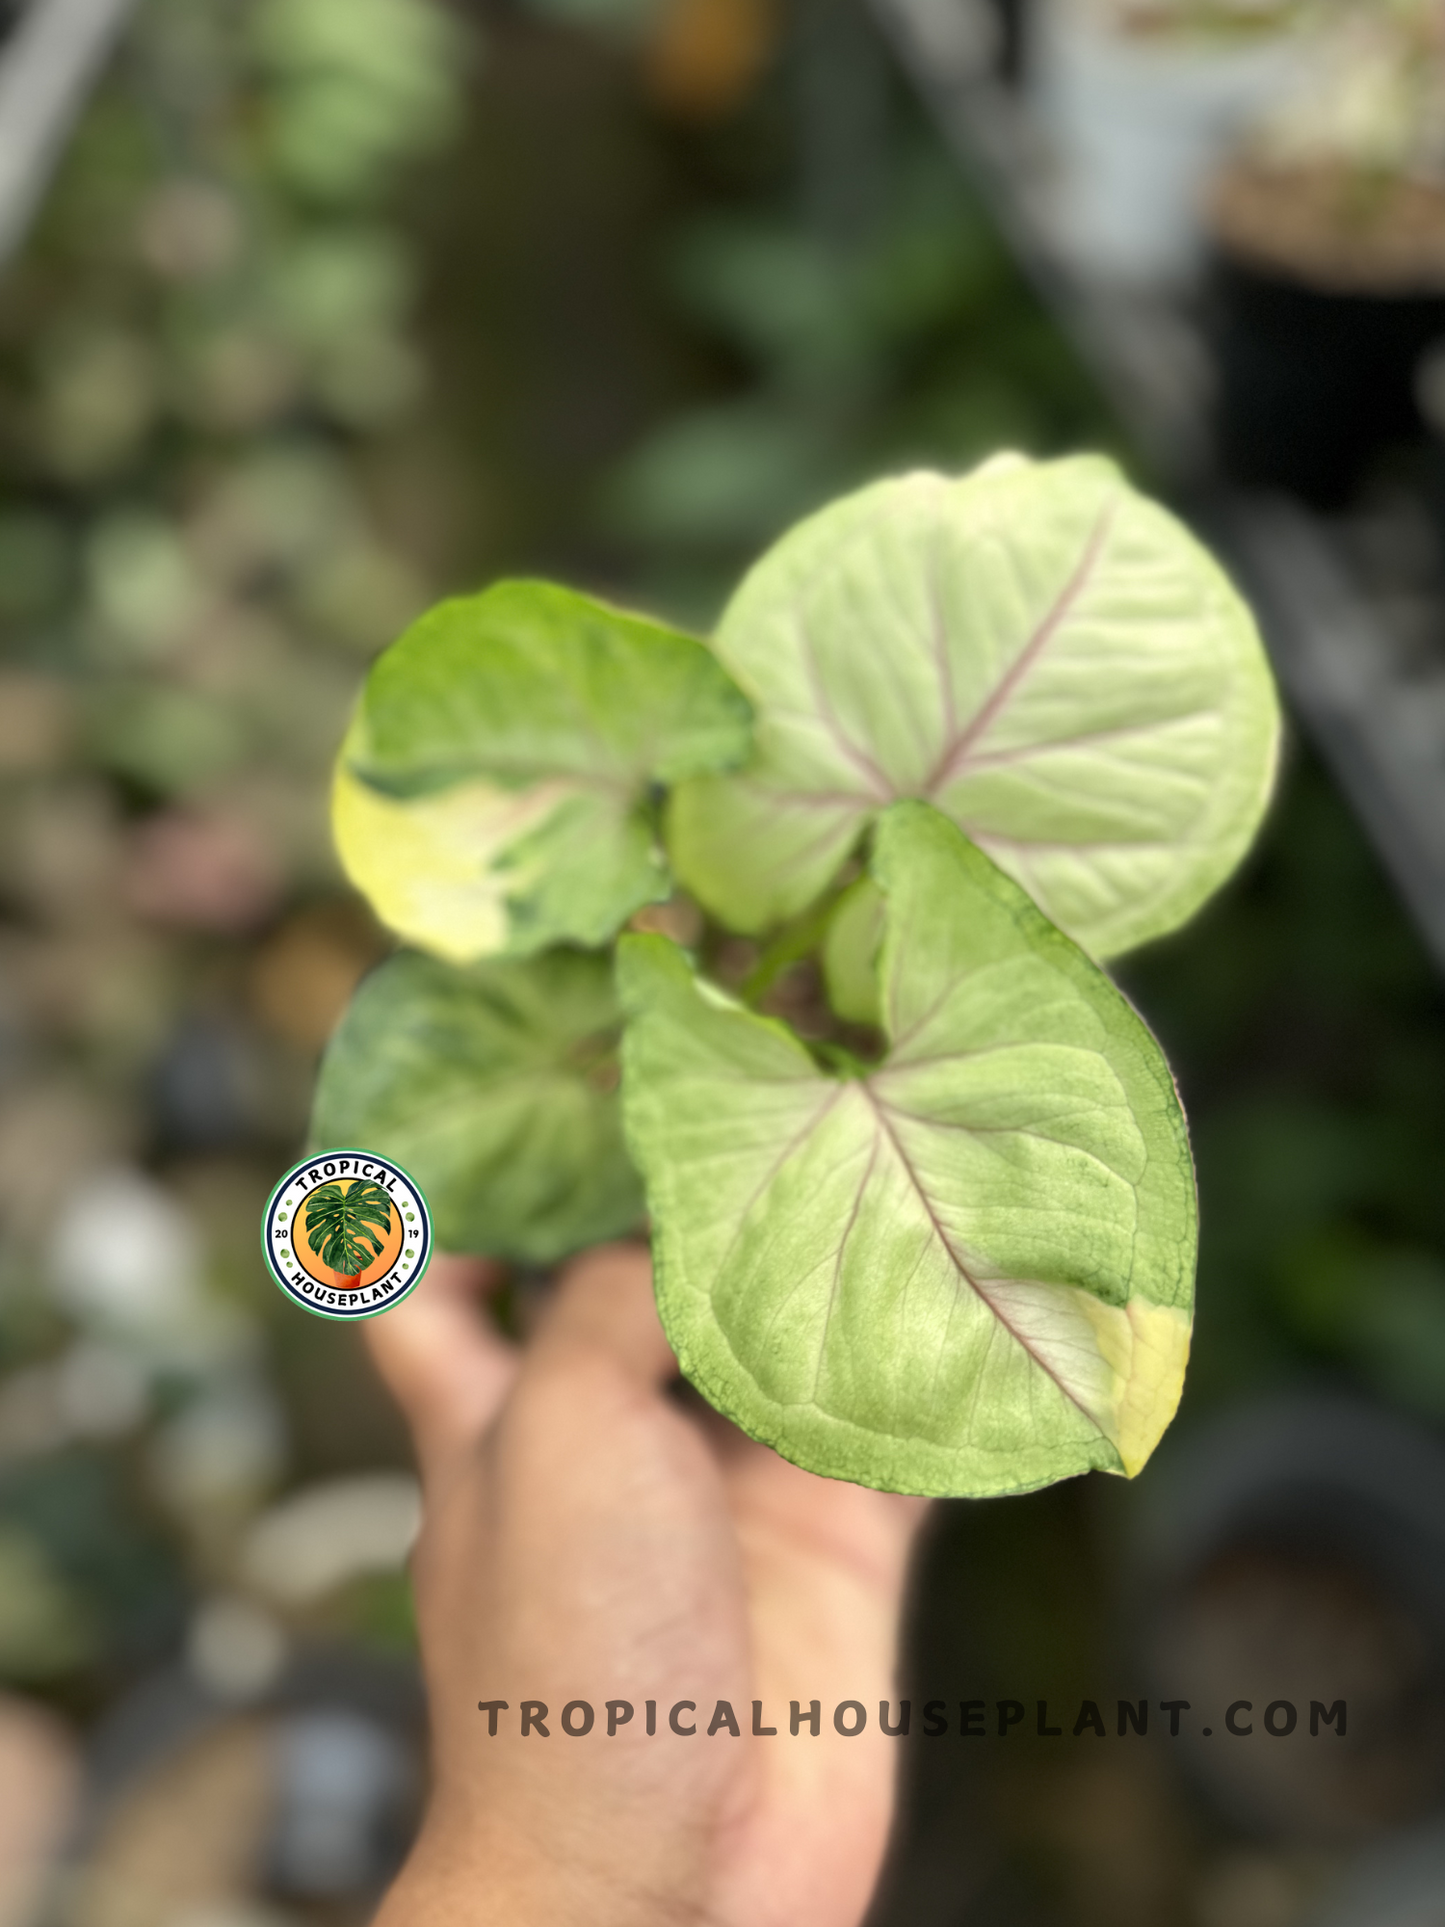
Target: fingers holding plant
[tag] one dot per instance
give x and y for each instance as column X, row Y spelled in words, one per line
column 442, row 1357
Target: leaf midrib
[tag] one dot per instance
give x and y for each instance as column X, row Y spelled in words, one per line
column 955, row 754
column 955, row 758
column 879, row 1110
column 882, row 1128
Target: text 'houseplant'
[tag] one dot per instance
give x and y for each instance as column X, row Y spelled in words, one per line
column 954, row 742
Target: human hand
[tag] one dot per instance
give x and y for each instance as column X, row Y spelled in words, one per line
column 589, row 1536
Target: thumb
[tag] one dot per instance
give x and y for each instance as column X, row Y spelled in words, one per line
column 440, row 1357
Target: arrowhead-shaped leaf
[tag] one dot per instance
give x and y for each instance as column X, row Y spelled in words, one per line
column 495, row 1086
column 1050, row 659
column 966, row 1270
column 495, row 793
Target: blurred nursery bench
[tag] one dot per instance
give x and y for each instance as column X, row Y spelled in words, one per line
column 1353, row 601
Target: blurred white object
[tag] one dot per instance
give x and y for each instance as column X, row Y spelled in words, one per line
column 340, row 1775
column 235, row 1648
column 321, row 1537
column 125, row 1253
column 1139, row 125
column 126, row 1262
column 49, row 63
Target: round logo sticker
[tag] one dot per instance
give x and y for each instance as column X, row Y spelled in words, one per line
column 347, row 1233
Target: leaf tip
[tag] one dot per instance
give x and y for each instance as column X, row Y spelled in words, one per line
column 1150, row 1394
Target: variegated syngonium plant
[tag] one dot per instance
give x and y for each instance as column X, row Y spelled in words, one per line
column 954, row 742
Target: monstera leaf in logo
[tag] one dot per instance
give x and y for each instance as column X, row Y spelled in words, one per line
column 348, row 1225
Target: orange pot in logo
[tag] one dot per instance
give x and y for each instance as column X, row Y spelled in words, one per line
column 347, row 1234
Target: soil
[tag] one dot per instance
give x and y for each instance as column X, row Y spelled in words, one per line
column 1331, row 229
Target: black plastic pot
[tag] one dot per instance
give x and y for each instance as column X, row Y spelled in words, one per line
column 1314, row 383
column 1294, row 1552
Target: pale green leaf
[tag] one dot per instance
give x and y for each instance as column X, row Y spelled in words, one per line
column 966, row 1270
column 495, row 1087
column 1046, row 656
column 497, row 789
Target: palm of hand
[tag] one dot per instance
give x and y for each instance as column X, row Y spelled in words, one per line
column 590, row 1536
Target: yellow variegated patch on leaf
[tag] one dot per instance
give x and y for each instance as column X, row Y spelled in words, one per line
column 430, row 867
column 498, row 788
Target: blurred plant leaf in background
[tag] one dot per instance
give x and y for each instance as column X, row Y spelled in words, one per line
column 44, row 1628
column 361, row 86
column 1379, row 1307
column 206, row 338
